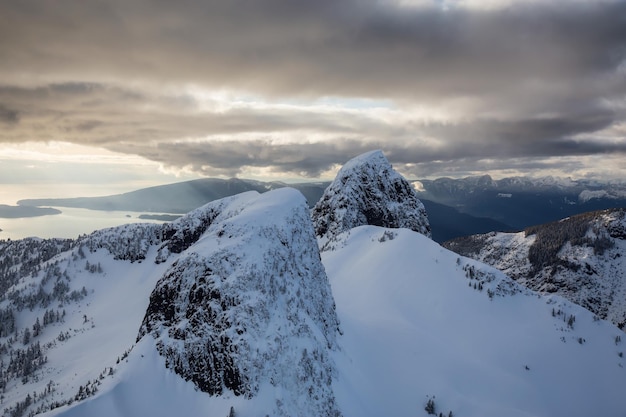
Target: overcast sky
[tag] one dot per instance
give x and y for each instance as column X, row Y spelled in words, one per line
column 292, row 88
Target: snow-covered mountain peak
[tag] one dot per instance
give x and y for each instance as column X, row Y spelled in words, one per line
column 374, row 158
column 185, row 231
column 247, row 309
column 367, row 190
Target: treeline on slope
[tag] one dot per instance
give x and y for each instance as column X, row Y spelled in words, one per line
column 24, row 257
column 550, row 238
column 468, row 245
column 31, row 278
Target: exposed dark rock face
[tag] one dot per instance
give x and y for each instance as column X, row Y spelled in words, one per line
column 367, row 190
column 199, row 343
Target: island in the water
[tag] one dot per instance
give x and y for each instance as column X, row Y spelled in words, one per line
column 15, row 212
column 160, row 217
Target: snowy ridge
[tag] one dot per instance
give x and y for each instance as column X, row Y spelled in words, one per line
column 421, row 322
column 185, row 231
column 611, row 193
column 367, row 190
column 129, row 242
column 248, row 310
column 580, row 258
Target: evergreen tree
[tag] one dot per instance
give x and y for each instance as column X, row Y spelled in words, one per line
column 26, row 338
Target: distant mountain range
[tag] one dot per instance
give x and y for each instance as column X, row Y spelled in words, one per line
column 521, row 202
column 178, row 198
column 455, row 207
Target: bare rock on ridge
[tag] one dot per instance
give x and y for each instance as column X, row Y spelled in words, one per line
column 368, row 191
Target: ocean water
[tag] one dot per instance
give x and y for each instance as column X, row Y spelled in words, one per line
column 71, row 223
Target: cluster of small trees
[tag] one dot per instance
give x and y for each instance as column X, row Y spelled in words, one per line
column 7, row 322
column 477, row 278
column 22, row 298
column 24, row 257
column 22, row 364
column 21, row 407
column 551, row 237
column 431, row 408
column 93, row 268
column 131, row 242
column 86, row 391
column 570, row 320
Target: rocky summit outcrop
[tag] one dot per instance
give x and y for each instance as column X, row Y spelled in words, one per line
column 247, row 307
column 368, row 191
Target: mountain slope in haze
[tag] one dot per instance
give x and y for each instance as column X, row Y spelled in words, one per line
column 580, row 258
column 520, row 201
column 14, row 212
column 176, row 198
column 469, row 203
column 367, row 190
column 448, row 223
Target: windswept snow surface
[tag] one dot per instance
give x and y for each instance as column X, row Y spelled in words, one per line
column 415, row 327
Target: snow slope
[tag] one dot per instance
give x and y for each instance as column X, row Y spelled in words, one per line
column 415, row 327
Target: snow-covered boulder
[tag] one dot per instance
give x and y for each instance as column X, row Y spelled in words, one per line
column 247, row 310
column 368, row 191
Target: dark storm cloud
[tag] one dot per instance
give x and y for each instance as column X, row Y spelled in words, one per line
column 227, row 158
column 348, row 47
column 8, row 116
column 311, row 159
column 540, row 136
column 532, row 80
